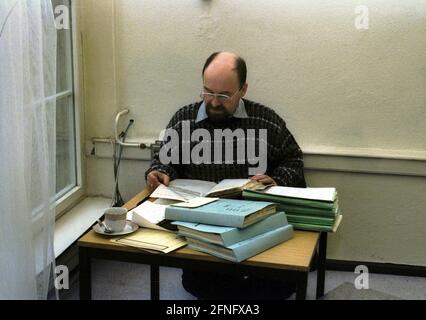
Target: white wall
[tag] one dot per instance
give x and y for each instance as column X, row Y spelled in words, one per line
column 354, row 99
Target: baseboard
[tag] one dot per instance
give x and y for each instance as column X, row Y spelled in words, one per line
column 377, row 267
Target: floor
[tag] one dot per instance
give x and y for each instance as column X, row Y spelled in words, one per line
column 113, row 280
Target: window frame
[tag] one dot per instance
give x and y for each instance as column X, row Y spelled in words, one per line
column 64, row 202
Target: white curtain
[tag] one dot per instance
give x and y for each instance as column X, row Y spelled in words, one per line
column 27, row 147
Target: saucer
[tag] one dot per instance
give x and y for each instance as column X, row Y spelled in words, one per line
column 128, row 228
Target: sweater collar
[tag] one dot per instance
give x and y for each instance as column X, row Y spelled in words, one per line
column 239, row 113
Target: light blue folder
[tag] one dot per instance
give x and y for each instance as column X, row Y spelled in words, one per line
column 227, row 236
column 224, row 212
column 245, row 249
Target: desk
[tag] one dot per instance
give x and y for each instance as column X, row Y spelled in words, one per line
column 290, row 259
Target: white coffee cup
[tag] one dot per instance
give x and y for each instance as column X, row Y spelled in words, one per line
column 115, row 218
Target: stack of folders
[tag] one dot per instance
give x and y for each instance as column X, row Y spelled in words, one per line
column 315, row 209
column 234, row 230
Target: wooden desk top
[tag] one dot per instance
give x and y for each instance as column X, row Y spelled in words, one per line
column 294, row 254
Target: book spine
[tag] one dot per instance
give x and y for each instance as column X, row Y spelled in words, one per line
column 193, row 215
column 251, row 247
column 293, row 209
column 311, row 227
column 195, row 246
column 187, row 235
column 310, row 219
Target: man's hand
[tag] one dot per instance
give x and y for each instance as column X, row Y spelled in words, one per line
column 155, row 178
column 264, row 179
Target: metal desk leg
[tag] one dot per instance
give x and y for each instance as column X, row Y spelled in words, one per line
column 155, row 282
column 321, row 264
column 301, row 285
column 85, row 274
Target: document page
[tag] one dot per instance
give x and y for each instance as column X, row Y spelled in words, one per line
column 148, row 215
column 190, row 188
column 150, row 239
column 183, row 189
column 152, row 212
column 321, row 194
column 228, row 184
column 164, row 192
column 195, row 202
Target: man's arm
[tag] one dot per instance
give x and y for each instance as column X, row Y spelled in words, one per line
column 156, row 165
column 265, row 179
column 155, row 178
column 287, row 168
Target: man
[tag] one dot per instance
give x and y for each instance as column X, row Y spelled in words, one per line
column 223, row 108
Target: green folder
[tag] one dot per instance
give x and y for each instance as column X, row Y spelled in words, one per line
column 317, row 227
column 325, row 205
column 305, row 219
column 309, row 211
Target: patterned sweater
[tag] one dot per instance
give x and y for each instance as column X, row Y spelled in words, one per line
column 284, row 157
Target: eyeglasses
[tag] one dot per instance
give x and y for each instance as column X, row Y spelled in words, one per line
column 223, row 98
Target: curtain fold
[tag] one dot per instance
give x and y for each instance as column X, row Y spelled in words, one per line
column 27, row 147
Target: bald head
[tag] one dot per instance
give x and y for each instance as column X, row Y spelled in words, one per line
column 227, row 63
column 224, row 81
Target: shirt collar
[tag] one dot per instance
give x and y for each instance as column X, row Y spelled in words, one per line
column 239, row 113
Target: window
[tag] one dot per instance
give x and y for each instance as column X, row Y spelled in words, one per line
column 67, row 161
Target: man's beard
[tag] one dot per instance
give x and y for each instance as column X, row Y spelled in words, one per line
column 218, row 113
